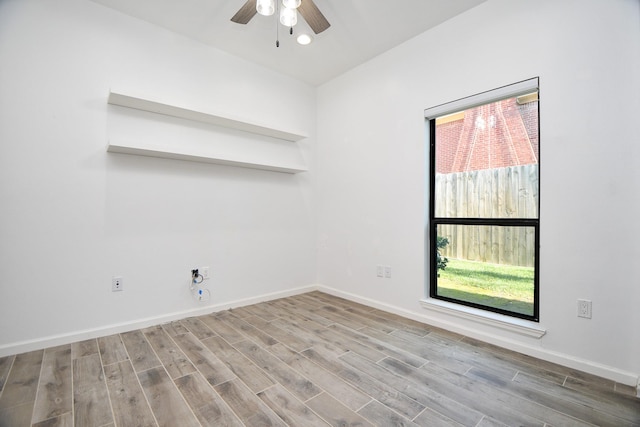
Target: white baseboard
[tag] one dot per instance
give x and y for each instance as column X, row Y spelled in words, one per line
column 85, row 334
column 609, row 372
column 604, row 371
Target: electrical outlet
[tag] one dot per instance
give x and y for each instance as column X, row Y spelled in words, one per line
column 584, row 308
column 116, row 284
column 380, row 271
column 205, row 272
column 387, row 272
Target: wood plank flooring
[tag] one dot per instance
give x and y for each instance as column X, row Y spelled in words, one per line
column 307, row 360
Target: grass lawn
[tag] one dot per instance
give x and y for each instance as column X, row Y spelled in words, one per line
column 505, row 287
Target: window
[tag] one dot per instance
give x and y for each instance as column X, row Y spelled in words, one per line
column 484, row 224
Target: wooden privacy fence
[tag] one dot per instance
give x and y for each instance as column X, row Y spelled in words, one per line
column 492, row 193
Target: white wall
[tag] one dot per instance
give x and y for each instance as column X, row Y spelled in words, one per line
column 73, row 215
column 372, row 170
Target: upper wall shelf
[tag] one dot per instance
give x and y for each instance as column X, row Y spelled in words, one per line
column 123, row 100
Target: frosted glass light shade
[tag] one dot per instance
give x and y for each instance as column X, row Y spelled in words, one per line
column 266, row 7
column 304, row 39
column 291, row 4
column 288, row 17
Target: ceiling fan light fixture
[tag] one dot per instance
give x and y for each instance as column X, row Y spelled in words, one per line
column 291, row 4
column 304, row 39
column 288, row 17
column 266, row 7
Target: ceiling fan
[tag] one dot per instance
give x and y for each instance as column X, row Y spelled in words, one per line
column 307, row 9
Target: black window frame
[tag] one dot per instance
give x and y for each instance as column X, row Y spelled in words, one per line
column 510, row 222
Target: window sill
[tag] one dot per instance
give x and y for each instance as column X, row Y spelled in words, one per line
column 511, row 324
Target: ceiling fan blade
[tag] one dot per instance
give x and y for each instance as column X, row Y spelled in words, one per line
column 313, row 16
column 246, row 12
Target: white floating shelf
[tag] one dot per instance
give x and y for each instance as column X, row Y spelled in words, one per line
column 132, row 148
column 200, row 116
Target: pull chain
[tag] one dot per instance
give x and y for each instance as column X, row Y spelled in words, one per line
column 277, row 26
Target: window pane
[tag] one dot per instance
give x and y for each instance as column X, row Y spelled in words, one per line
column 487, row 161
column 490, row 266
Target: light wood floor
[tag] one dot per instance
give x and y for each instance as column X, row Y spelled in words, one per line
column 307, row 360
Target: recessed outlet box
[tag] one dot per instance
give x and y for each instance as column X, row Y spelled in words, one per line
column 584, row 308
column 205, row 272
column 116, row 284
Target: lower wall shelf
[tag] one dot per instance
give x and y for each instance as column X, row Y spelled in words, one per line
column 130, row 148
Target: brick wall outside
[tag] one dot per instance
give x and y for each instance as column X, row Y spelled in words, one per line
column 496, row 135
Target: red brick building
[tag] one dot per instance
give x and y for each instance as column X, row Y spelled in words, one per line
column 496, row 135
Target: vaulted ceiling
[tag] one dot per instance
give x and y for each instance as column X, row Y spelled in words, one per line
column 360, row 30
